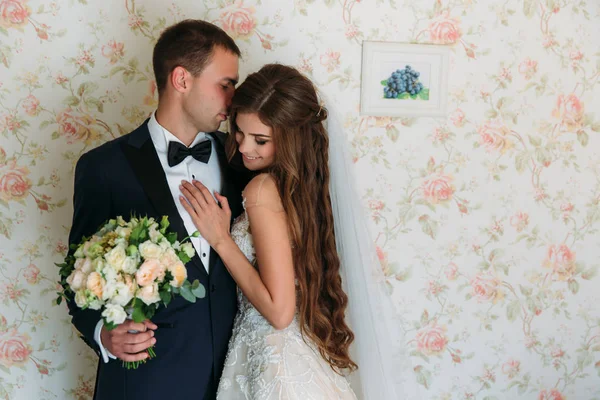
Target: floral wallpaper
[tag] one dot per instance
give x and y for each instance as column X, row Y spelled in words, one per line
column 486, row 222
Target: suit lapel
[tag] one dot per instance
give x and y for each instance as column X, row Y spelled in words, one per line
column 141, row 154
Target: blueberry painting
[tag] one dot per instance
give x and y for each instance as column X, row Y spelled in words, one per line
column 403, row 84
column 404, row 79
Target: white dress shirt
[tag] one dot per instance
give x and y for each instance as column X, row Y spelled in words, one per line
column 208, row 174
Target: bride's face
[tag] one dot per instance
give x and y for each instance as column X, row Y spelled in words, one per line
column 255, row 142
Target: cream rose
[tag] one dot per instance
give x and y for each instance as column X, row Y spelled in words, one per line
column 116, row 257
column 149, row 294
column 95, row 284
column 148, row 272
column 169, row 258
column 130, row 265
column 76, row 280
column 122, row 294
column 150, row 250
column 123, row 232
column 155, row 235
column 81, row 298
column 114, row 313
column 179, row 274
column 85, row 265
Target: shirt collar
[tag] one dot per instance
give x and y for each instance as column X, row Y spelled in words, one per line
column 161, row 137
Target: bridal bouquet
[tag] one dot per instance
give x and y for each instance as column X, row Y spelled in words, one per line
column 127, row 270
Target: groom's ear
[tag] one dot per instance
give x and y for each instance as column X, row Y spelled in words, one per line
column 180, row 79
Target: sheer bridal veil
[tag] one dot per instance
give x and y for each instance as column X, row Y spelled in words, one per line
column 385, row 371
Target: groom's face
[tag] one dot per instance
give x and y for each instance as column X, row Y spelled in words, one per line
column 208, row 101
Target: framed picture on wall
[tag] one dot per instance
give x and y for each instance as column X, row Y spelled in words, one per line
column 400, row 79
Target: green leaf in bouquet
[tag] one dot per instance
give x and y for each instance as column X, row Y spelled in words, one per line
column 150, row 310
column 171, row 237
column 138, row 313
column 165, row 296
column 135, row 237
column 109, row 325
column 164, row 224
column 186, row 293
column 183, row 257
column 132, row 250
column 198, row 289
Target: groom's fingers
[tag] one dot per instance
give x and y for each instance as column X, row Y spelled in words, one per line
column 133, row 326
column 150, row 325
column 136, row 338
column 136, row 348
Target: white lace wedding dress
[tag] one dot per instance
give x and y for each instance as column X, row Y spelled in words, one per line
column 267, row 364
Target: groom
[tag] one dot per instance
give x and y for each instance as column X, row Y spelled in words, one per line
column 196, row 69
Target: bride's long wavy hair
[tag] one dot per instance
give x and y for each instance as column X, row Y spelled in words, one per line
column 286, row 101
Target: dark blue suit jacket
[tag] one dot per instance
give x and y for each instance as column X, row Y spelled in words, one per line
column 125, row 177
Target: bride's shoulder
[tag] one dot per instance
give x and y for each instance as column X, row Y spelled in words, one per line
column 262, row 191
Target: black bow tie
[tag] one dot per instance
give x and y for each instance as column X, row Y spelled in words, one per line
column 178, row 152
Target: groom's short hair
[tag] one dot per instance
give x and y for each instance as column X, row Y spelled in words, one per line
column 189, row 44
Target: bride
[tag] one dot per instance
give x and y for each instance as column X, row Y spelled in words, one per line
column 299, row 241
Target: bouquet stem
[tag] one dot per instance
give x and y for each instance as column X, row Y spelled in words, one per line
column 136, row 364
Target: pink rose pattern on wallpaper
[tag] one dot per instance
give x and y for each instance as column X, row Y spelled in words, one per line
column 485, row 223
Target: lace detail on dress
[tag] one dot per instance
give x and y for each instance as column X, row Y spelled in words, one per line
column 267, row 364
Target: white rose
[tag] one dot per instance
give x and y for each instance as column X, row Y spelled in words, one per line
column 98, row 264
column 121, row 221
column 122, row 294
column 169, row 258
column 150, row 250
column 114, row 313
column 130, row 265
column 116, row 257
column 155, row 235
column 77, row 280
column 109, row 273
column 80, row 298
column 164, row 244
column 149, row 294
column 188, row 249
column 85, row 265
column 94, row 303
column 110, row 289
column 79, row 252
column 123, row 232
